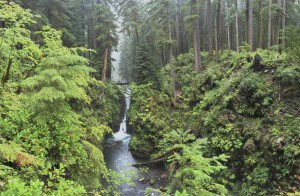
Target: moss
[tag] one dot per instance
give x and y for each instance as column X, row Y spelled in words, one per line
column 12, row 152
column 141, row 148
column 93, row 169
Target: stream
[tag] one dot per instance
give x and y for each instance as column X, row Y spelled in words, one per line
column 118, row 158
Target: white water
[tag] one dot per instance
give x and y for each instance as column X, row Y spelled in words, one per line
column 122, row 133
column 119, row 158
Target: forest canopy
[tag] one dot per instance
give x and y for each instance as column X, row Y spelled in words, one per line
column 215, row 88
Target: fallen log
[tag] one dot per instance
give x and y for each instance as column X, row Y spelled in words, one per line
column 159, row 158
column 168, row 151
column 149, row 162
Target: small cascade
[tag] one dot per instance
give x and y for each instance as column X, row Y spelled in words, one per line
column 122, row 133
column 119, row 158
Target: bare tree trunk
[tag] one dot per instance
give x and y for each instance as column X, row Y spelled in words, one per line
column 216, row 31
column 209, row 28
column 49, row 11
column 137, row 36
column 150, row 162
column 270, row 24
column 246, row 33
column 104, row 72
column 2, row 24
column 104, row 69
column 250, row 25
column 260, row 29
column 198, row 66
column 237, row 26
column 220, row 25
column 228, row 26
column 222, row 32
column 171, row 56
column 84, row 25
column 273, row 35
column 283, row 23
column 94, row 23
column 162, row 57
column 5, row 77
column 179, row 28
column 277, row 34
column 204, row 26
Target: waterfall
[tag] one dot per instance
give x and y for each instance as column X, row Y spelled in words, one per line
column 119, row 159
column 122, row 133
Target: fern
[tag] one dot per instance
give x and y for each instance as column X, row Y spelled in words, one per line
column 195, row 171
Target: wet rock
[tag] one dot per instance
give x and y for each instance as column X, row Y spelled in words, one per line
column 162, row 189
column 152, row 182
column 280, row 142
column 141, row 148
column 119, row 142
column 128, row 190
column 142, row 180
column 164, row 176
column 250, row 146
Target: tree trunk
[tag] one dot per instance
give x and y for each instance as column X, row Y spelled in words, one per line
column 5, row 77
column 94, row 23
column 283, row 23
column 204, row 26
column 273, row 35
column 220, row 25
column 250, row 25
column 198, row 66
column 228, row 25
column 149, row 162
column 216, row 31
column 171, row 56
column 222, row 32
column 279, row 12
column 279, row 21
column 137, row 36
column 270, row 24
column 168, row 152
column 104, row 72
column 159, row 158
column 2, row 24
column 49, row 12
column 179, row 28
column 91, row 28
column 104, row 69
column 162, row 57
column 247, row 22
column 260, row 23
column 236, row 26
column 209, row 28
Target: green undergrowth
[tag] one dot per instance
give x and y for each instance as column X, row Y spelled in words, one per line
column 52, row 121
column 246, row 105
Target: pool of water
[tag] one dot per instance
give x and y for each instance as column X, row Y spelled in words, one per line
column 119, row 158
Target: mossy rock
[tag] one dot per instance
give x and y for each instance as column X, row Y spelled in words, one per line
column 141, row 148
column 152, row 182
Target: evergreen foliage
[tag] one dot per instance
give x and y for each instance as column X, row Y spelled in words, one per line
column 51, row 124
column 230, row 126
column 242, row 107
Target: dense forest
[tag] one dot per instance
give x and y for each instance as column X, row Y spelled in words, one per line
column 215, row 94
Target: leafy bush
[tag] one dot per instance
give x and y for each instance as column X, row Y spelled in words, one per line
column 51, row 120
column 245, row 104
